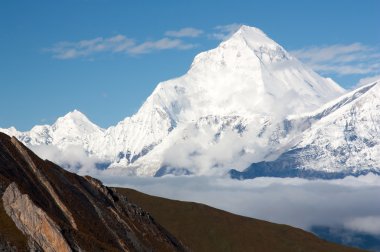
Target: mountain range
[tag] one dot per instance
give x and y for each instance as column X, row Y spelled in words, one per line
column 246, row 108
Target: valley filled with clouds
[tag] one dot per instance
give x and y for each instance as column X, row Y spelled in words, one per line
column 350, row 203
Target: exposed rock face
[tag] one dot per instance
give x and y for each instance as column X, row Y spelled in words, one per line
column 44, row 182
column 33, row 221
column 60, row 211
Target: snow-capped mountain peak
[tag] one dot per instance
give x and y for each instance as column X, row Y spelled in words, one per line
column 264, row 48
column 75, row 120
column 74, row 115
column 74, row 128
column 248, row 77
column 242, row 76
column 246, row 44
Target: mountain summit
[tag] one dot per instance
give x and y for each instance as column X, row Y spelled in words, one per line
column 229, row 101
column 247, row 74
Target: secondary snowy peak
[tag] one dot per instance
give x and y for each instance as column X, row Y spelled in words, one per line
column 75, row 116
column 75, row 122
column 72, row 129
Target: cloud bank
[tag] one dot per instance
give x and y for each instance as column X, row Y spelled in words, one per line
column 350, row 203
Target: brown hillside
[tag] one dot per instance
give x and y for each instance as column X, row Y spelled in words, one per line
column 203, row 228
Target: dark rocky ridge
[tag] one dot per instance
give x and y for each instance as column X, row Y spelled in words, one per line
column 80, row 211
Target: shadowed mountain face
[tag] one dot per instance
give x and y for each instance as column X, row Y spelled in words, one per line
column 203, row 228
column 45, row 208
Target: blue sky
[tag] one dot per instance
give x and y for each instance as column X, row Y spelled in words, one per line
column 105, row 57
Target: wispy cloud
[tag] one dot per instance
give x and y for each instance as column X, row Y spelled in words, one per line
column 162, row 44
column 116, row 44
column 223, row 32
column 185, row 32
column 367, row 80
column 84, row 48
column 341, row 59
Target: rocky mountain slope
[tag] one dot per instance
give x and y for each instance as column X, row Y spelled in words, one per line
column 45, row 208
column 222, row 113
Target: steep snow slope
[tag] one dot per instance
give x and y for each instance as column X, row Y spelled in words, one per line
column 348, row 138
column 233, row 94
column 342, row 137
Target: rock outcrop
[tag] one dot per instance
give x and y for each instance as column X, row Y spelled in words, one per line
column 60, row 211
column 33, row 221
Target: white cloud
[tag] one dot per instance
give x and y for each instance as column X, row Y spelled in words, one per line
column 185, row 32
column 367, row 224
column 223, row 32
column 74, row 158
column 84, row 48
column 367, row 80
column 162, row 44
column 115, row 44
column 349, row 202
column 341, row 59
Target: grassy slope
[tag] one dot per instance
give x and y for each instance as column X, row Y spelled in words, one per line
column 203, row 228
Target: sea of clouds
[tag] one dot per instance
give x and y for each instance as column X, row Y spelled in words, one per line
column 351, row 203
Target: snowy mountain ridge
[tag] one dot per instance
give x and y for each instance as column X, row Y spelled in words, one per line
column 246, row 101
column 341, row 138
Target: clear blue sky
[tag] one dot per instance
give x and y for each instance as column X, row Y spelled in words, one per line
column 105, row 57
